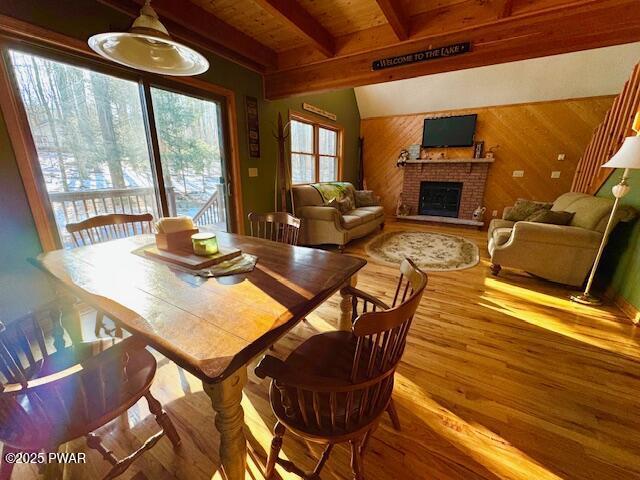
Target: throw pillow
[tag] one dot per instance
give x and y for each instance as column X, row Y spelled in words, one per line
column 523, row 209
column 343, row 205
column 551, row 217
column 365, row 198
column 333, row 203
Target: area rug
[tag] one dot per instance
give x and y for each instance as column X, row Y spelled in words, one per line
column 433, row 252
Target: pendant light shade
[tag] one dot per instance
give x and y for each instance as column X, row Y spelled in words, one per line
column 147, row 46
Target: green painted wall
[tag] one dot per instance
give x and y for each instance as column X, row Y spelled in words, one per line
column 620, row 266
column 342, row 103
column 21, row 287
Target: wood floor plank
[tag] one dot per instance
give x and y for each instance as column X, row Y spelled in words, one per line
column 502, row 378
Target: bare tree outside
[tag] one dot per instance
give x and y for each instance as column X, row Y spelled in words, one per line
column 91, row 139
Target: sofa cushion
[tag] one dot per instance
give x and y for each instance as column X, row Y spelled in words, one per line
column 349, row 221
column 306, row 195
column 563, row 201
column 378, row 211
column 590, row 212
column 524, row 209
column 501, row 235
column 555, row 217
column 364, row 214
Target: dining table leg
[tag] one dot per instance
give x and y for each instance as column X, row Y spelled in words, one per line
column 70, row 319
column 226, row 398
column 344, row 321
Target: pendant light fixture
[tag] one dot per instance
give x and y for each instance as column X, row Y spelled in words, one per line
column 148, row 46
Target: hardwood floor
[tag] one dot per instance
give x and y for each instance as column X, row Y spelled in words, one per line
column 502, row 377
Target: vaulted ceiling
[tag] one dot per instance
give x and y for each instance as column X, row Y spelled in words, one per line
column 302, row 46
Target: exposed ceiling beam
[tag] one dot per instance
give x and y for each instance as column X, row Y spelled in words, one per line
column 395, row 16
column 505, row 8
column 575, row 26
column 439, row 21
column 194, row 25
column 291, row 13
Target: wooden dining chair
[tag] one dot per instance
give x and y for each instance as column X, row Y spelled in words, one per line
column 102, row 228
column 52, row 392
column 362, row 302
column 335, row 386
column 277, row 226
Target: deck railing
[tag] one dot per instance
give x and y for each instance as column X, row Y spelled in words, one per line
column 73, row 207
column 77, row 206
column 211, row 212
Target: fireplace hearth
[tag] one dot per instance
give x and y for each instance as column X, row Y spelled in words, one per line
column 440, row 198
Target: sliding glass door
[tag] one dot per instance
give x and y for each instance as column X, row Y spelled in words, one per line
column 98, row 153
column 90, row 136
column 191, row 149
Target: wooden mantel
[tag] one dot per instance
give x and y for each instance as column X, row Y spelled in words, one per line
column 453, row 160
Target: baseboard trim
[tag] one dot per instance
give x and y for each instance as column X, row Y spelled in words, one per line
column 631, row 311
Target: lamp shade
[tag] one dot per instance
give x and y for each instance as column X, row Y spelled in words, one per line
column 628, row 156
column 147, row 46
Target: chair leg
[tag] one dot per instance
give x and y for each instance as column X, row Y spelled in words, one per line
column 322, row 461
column 163, row 419
column 367, row 436
column 53, row 470
column 356, row 460
column 6, row 467
column 393, row 415
column 276, row 445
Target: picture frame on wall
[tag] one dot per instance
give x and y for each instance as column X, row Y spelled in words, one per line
column 253, row 126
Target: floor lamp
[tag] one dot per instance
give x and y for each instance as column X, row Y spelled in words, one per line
column 628, row 157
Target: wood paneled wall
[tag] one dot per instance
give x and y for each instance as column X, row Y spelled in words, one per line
column 608, row 137
column 525, row 137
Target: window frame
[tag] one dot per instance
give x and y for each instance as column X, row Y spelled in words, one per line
column 317, row 124
column 25, row 37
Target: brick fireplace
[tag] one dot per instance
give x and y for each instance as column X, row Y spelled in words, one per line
column 472, row 175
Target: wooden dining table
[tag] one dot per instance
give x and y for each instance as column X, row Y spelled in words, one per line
column 212, row 327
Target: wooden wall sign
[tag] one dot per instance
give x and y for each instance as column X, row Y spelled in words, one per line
column 422, row 56
column 319, row 111
column 253, row 126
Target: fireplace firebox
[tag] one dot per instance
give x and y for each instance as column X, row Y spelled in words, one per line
column 440, row 198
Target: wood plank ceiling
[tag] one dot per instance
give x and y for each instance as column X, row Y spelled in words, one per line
column 302, row 46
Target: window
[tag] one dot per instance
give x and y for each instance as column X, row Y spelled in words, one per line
column 315, row 151
column 91, row 133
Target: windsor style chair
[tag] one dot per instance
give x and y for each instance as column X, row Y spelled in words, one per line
column 277, row 226
column 51, row 393
column 360, row 302
column 102, row 228
column 335, row 386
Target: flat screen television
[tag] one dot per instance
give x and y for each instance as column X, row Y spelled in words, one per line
column 455, row 131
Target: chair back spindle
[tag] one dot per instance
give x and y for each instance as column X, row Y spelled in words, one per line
column 51, row 393
column 276, row 226
column 326, row 406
